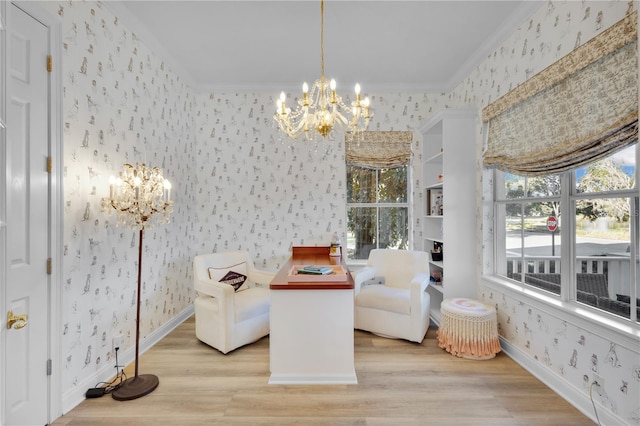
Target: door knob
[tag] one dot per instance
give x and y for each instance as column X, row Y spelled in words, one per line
column 16, row 321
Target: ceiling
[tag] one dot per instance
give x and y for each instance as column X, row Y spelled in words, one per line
column 425, row 46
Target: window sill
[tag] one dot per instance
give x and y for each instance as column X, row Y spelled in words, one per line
column 355, row 265
column 605, row 325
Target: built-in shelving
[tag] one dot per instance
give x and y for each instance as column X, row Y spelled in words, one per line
column 448, row 220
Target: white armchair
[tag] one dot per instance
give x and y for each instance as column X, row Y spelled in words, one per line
column 395, row 304
column 225, row 318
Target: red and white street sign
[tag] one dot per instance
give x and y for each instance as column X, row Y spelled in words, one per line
column 552, row 223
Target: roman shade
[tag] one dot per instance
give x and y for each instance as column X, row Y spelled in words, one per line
column 580, row 109
column 378, row 150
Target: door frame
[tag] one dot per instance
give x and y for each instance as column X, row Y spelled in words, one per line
column 56, row 222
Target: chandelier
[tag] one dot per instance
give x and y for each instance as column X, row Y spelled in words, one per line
column 140, row 196
column 321, row 109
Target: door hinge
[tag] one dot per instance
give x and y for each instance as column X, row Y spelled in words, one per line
column 49, row 165
column 49, row 368
column 49, row 266
column 49, row 63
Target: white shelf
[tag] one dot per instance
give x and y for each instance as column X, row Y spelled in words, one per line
column 435, row 239
column 437, row 287
column 435, row 159
column 437, row 296
column 434, row 216
column 439, row 264
column 434, row 186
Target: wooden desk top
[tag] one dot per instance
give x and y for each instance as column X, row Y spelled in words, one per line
column 310, row 256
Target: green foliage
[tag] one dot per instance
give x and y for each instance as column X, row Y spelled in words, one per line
column 369, row 186
column 601, row 176
column 361, row 185
column 604, row 176
column 536, row 187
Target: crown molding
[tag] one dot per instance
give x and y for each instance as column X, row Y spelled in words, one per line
column 525, row 11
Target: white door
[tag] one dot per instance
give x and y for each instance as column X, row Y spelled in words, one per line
column 25, row 354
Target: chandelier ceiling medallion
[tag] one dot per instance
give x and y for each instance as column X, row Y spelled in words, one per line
column 321, row 109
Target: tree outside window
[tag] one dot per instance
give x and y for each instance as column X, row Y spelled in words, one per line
column 377, row 210
column 596, row 208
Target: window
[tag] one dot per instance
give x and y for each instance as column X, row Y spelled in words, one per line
column 377, row 210
column 573, row 236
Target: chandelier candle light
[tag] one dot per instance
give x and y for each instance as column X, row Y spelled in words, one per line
column 141, row 197
column 321, row 109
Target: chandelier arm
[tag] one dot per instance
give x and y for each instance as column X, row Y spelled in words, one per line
column 342, row 119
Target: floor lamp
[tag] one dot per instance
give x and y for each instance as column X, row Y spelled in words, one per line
column 141, row 197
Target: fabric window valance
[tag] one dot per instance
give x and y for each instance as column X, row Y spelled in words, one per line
column 580, row 109
column 378, row 150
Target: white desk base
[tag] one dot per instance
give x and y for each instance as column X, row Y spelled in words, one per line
column 311, row 337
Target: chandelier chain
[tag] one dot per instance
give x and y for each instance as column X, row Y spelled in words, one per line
column 322, row 38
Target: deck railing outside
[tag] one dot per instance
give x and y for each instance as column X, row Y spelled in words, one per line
column 616, row 268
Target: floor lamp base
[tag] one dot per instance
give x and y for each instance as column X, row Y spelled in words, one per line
column 136, row 387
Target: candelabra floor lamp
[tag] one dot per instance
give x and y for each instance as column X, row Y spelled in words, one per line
column 140, row 197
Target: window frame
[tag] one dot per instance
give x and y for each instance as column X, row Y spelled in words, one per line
column 408, row 204
column 567, row 300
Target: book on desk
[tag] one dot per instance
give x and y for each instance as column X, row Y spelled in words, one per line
column 337, row 273
column 316, row 270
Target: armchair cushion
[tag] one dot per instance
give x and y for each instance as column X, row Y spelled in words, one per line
column 251, row 304
column 386, row 298
column 398, row 267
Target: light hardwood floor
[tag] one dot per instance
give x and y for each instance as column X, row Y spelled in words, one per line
column 399, row 383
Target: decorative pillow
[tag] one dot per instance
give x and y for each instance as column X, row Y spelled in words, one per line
column 234, row 279
column 373, row 281
column 235, row 276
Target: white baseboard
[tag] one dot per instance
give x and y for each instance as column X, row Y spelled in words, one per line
column 566, row 390
column 75, row 396
column 310, row 379
column 435, row 318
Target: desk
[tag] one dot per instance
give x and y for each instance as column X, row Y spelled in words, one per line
column 311, row 337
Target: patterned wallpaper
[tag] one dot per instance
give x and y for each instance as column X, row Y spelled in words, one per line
column 238, row 185
column 553, row 31
column 121, row 104
column 575, row 354
column 261, row 192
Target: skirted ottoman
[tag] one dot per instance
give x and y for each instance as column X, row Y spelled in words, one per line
column 468, row 329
